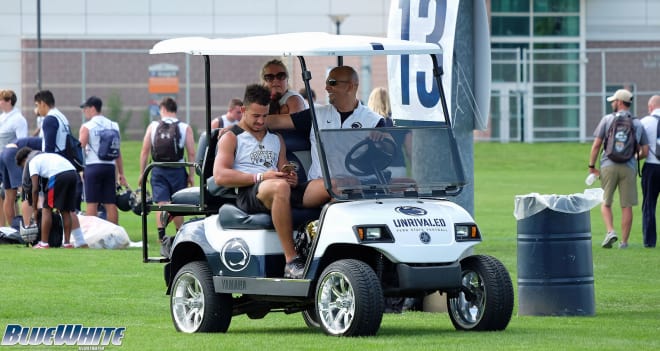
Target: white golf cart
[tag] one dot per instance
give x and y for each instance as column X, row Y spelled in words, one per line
column 392, row 229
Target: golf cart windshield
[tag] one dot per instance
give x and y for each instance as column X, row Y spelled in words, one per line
column 392, row 162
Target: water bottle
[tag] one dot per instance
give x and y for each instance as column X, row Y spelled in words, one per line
column 591, row 178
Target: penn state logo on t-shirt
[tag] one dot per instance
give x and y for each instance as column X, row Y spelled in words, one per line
column 356, row 125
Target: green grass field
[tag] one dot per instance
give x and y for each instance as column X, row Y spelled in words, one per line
column 113, row 288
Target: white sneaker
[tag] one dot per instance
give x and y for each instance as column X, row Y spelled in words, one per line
column 41, row 245
column 610, row 239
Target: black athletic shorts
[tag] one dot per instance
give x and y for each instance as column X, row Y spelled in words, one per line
column 246, row 198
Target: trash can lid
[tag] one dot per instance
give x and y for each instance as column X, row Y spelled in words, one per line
column 533, row 203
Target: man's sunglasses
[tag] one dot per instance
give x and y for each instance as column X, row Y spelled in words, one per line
column 278, row 76
column 333, row 82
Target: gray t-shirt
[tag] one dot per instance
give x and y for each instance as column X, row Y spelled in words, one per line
column 601, row 132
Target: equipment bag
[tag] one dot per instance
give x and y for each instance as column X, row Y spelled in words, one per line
column 166, row 142
column 620, row 142
column 56, row 235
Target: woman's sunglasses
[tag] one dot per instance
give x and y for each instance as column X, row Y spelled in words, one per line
column 278, row 76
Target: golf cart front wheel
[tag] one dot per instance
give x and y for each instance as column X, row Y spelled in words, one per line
column 485, row 301
column 194, row 304
column 309, row 316
column 349, row 299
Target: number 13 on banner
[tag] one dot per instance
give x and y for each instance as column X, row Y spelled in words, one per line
column 410, row 77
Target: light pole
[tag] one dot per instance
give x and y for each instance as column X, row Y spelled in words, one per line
column 39, row 45
column 338, row 19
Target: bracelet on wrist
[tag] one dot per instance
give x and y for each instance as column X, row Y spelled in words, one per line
column 592, row 166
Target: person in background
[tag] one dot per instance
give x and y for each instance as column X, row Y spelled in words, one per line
column 56, row 176
column 275, row 77
column 12, row 126
column 651, row 173
column 303, row 93
column 232, row 117
column 165, row 181
column 12, row 173
column 617, row 175
column 100, row 176
column 54, row 130
column 39, row 121
column 379, row 102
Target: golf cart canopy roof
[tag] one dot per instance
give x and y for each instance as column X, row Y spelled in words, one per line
column 295, row 44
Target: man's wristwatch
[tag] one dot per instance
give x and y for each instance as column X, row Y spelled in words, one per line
column 592, row 166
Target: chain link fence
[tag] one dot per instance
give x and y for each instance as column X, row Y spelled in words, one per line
column 536, row 95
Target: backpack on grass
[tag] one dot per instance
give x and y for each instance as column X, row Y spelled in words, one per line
column 166, row 142
column 620, row 142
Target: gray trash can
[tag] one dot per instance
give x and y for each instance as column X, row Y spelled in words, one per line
column 555, row 266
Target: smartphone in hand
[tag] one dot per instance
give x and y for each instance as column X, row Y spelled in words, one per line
column 288, row 168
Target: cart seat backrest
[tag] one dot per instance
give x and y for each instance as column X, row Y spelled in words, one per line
column 298, row 151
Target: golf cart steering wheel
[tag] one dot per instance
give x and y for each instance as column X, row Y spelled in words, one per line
column 369, row 157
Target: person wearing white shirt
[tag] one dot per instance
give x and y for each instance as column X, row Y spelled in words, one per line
column 232, row 117
column 57, row 177
column 651, row 173
column 100, row 176
column 12, row 126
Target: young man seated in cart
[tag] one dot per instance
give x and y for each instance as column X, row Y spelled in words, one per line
column 253, row 160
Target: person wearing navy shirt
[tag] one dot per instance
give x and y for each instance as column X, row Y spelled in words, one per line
column 12, row 175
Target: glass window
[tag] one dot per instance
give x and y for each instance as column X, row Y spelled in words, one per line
column 560, row 72
column 571, row 53
column 509, row 45
column 557, row 95
column 515, row 115
column 504, row 73
column 556, row 118
column 509, row 6
column 557, row 135
column 556, row 6
column 504, row 58
column 495, row 115
column 557, row 26
column 509, row 26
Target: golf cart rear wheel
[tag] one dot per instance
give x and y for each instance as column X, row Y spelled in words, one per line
column 485, row 302
column 349, row 299
column 194, row 304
